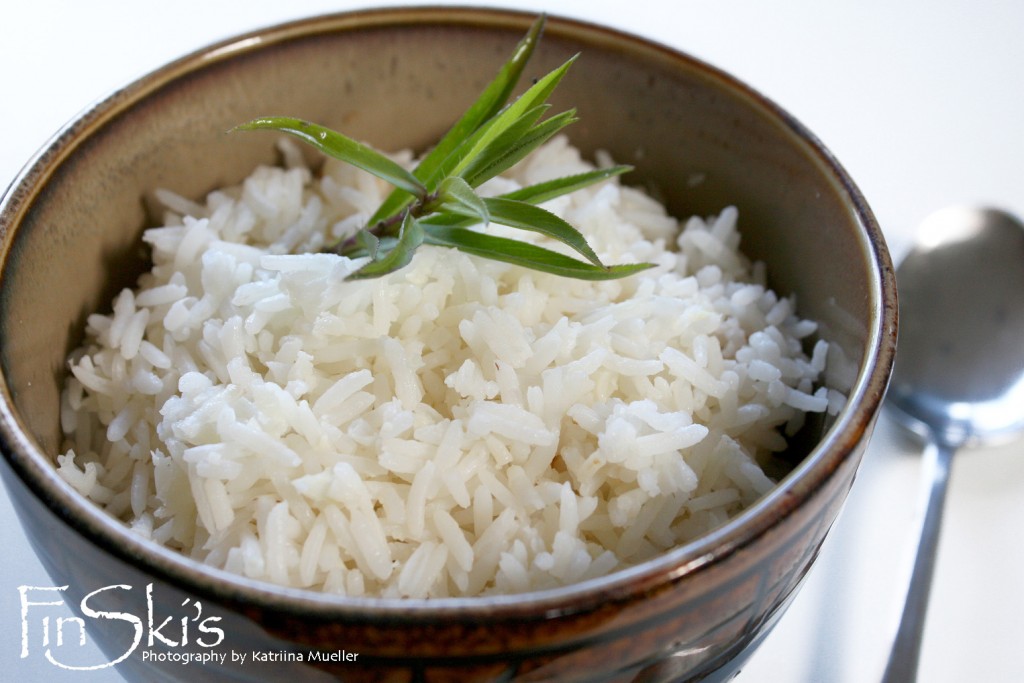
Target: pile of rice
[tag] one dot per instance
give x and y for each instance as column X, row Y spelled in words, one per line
column 461, row 427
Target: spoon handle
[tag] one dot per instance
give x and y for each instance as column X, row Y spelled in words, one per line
column 906, row 650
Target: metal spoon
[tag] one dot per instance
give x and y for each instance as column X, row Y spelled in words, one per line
column 959, row 373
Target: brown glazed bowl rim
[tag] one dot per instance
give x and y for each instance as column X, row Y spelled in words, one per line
column 35, row 471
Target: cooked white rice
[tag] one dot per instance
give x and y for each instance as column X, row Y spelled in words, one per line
column 460, row 427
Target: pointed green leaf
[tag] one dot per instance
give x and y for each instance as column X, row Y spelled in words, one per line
column 410, row 237
column 512, row 116
column 534, row 97
column 535, row 219
column 550, row 189
column 536, row 194
column 512, row 147
column 525, row 254
column 341, row 147
column 358, row 250
column 515, row 131
column 368, row 241
column 490, row 102
column 457, row 197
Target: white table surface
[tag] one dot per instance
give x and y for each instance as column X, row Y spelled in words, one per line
column 923, row 103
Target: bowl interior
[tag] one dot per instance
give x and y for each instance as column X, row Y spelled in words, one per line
column 699, row 140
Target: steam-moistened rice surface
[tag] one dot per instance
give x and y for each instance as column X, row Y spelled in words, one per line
column 460, row 427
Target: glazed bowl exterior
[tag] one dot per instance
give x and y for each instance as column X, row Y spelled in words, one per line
column 71, row 225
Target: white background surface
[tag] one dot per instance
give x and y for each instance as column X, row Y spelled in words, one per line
column 922, row 101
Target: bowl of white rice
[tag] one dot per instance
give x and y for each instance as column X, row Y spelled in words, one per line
column 242, row 464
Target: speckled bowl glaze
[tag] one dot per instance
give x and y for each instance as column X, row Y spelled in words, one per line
column 71, row 224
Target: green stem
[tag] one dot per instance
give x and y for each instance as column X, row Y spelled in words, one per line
column 389, row 226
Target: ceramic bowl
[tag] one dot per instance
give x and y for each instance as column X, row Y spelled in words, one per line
column 700, row 140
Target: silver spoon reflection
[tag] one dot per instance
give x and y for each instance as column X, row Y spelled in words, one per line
column 959, row 373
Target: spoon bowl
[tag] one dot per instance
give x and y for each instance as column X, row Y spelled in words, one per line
column 959, row 373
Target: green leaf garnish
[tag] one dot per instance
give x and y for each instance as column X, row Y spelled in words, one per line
column 490, row 101
column 525, row 254
column 550, row 189
column 509, row 117
column 410, row 237
column 436, row 202
column 524, row 216
column 513, row 146
column 344, row 148
column 369, row 242
column 457, row 198
column 538, row 193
